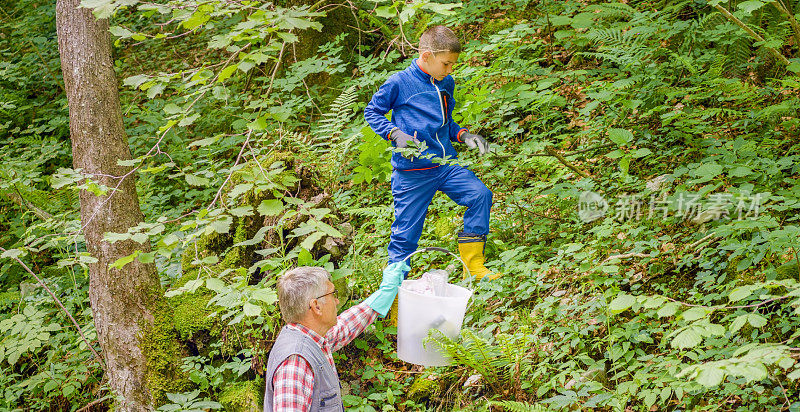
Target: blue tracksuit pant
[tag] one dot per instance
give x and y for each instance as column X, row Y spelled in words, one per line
column 413, row 191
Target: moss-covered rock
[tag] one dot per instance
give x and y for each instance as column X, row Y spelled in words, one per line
column 191, row 314
column 243, row 396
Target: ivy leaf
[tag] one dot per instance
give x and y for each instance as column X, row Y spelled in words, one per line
column 621, row 303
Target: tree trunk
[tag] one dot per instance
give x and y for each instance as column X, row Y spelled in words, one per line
column 123, row 301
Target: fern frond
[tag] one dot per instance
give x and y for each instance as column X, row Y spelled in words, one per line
column 339, row 114
column 514, row 406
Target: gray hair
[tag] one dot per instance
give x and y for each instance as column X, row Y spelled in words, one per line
column 439, row 39
column 297, row 287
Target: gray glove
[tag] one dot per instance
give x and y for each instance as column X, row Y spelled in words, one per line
column 476, row 141
column 401, row 138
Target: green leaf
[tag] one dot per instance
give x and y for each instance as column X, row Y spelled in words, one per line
column 135, row 81
column 266, row 295
column 120, row 32
column 688, row 338
column 741, row 293
column 251, row 309
column 794, row 67
column 738, row 323
column 196, row 20
column 215, row 284
column 621, row 303
column 222, row 225
column 706, row 172
column 695, row 313
column 119, row 263
column 309, row 242
column 13, row 253
column 188, row 120
column 749, row 7
column 197, row 180
column 239, row 189
column 270, row 207
column 668, row 310
column 641, row 153
column 226, row 73
column 620, row 136
column 756, row 320
column 710, row 376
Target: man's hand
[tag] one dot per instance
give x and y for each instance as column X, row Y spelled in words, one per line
column 402, row 139
column 474, row 141
column 382, row 299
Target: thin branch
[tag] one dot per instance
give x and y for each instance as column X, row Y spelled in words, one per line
column 227, row 179
column 792, row 21
column 17, row 198
column 750, row 31
column 626, row 256
column 64, row 309
column 552, row 152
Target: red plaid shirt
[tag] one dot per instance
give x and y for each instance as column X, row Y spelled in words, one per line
column 294, row 378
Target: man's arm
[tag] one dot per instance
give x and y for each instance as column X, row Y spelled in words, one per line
column 294, row 383
column 350, row 324
column 382, row 102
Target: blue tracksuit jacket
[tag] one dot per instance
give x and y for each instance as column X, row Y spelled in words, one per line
column 419, row 103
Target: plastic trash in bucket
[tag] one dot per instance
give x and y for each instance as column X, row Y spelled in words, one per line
column 419, row 313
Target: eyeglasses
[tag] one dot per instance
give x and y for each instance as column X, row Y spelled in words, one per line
column 335, row 295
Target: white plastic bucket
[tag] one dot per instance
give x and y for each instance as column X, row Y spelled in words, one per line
column 418, row 314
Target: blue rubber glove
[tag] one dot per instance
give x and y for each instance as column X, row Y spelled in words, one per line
column 381, row 301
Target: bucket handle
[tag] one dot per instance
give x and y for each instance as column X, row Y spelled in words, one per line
column 439, row 249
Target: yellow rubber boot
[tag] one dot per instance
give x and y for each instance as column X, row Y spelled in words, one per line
column 471, row 250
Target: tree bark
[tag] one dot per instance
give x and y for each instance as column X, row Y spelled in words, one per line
column 123, row 301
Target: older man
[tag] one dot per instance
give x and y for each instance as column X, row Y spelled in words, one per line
column 301, row 375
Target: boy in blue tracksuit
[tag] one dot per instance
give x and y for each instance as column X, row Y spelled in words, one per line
column 421, row 101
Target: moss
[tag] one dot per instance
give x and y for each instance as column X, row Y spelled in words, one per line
column 423, row 387
column 163, row 353
column 191, row 314
column 788, row 270
column 243, row 396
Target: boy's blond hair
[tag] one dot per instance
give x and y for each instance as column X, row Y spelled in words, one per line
column 439, row 39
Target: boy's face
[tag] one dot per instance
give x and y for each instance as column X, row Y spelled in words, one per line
column 438, row 65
